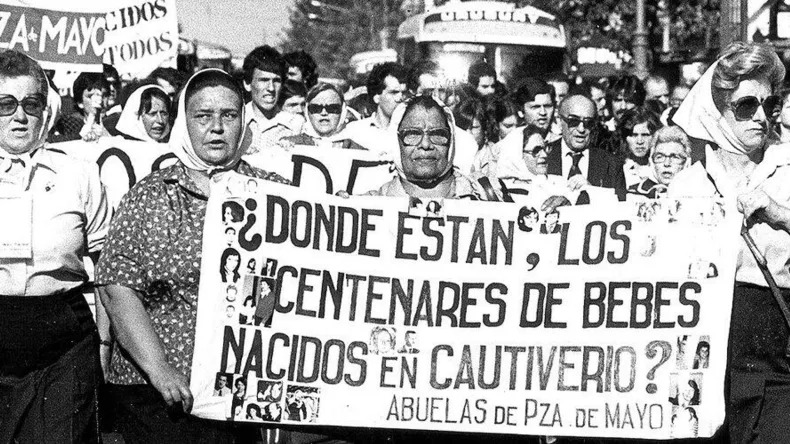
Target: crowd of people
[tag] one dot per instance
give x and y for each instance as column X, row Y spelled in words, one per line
column 562, row 140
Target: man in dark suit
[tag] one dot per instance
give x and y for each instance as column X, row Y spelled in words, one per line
column 573, row 156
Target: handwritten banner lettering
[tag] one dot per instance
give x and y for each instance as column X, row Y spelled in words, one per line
column 460, row 316
column 59, row 35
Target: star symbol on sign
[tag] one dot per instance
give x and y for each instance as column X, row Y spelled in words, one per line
column 32, row 36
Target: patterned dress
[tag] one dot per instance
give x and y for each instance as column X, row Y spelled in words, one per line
column 154, row 247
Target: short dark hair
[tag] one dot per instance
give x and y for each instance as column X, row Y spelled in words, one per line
column 630, row 87
column 467, row 111
column 291, row 88
column 529, row 88
column 305, row 63
column 532, row 129
column 85, row 82
column 213, row 77
column 497, row 111
column 264, row 58
column 557, row 77
column 375, row 83
column 632, row 118
column 418, row 69
column 109, row 71
column 480, row 69
column 637, row 116
column 146, row 100
column 169, row 75
column 15, row 64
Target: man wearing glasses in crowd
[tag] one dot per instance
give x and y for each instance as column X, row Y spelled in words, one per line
column 574, row 158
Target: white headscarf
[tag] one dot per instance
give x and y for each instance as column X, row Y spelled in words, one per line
column 129, row 122
column 181, row 144
column 699, row 117
column 511, row 161
column 392, row 137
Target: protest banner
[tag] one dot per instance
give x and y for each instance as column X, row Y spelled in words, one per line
column 59, row 35
column 123, row 162
column 327, row 169
column 141, row 36
column 461, row 315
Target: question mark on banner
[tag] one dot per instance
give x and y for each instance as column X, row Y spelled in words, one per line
column 533, row 259
column 651, row 350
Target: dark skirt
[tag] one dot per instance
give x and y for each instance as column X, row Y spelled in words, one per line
column 49, row 369
column 759, row 371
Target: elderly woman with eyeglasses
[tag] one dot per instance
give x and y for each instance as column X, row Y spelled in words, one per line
column 728, row 116
column 669, row 152
column 326, row 116
column 426, row 149
column 54, row 211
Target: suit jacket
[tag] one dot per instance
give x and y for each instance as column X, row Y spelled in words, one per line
column 604, row 170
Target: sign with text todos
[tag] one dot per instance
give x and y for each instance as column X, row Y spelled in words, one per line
column 367, row 312
column 141, row 36
column 135, row 36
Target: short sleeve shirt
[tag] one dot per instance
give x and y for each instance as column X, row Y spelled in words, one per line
column 154, row 247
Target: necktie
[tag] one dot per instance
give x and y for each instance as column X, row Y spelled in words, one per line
column 575, row 169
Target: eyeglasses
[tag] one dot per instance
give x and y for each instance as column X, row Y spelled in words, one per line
column 745, row 107
column 318, row 108
column 535, row 151
column 32, row 105
column 414, row 136
column 674, row 158
column 574, row 121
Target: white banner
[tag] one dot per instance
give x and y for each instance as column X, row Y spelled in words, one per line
column 463, row 316
column 123, row 162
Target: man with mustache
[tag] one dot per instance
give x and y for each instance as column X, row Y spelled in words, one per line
column 264, row 71
column 574, row 157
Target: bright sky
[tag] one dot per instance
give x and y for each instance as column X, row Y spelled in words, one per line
column 239, row 25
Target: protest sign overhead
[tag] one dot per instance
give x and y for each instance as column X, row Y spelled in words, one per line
column 135, row 36
column 459, row 316
column 141, row 36
column 123, row 162
column 59, row 35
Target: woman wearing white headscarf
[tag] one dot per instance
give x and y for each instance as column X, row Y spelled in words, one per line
column 325, row 116
column 55, row 210
column 425, row 152
column 728, row 116
column 150, row 268
column 146, row 115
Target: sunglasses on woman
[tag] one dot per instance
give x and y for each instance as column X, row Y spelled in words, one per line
column 745, row 107
column 534, row 152
column 318, row 108
column 32, row 105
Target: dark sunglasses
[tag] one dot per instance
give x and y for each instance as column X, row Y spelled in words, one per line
column 32, row 105
column 745, row 107
column 318, row 108
column 414, row 136
column 535, row 151
column 574, row 122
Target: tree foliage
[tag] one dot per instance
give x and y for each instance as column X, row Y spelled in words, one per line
column 334, row 30
column 693, row 23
